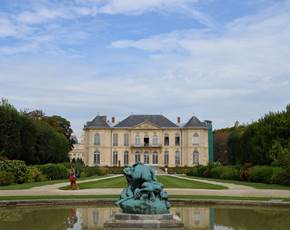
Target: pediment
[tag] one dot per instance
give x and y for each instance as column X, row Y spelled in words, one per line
column 146, row 125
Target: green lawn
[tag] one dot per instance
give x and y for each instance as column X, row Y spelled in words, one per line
column 115, row 197
column 250, row 184
column 37, row 184
column 167, row 181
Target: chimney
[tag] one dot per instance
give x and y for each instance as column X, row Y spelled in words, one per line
column 178, row 120
column 113, row 120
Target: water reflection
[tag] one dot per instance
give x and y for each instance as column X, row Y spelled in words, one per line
column 91, row 217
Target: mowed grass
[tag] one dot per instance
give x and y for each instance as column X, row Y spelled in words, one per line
column 167, row 181
column 42, row 183
column 246, row 183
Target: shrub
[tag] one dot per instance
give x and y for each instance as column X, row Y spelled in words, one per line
column 201, row 170
column 261, row 174
column 17, row 168
column 177, row 170
column 34, row 175
column 192, row 171
column 95, row 170
column 115, row 170
column 6, row 178
column 280, row 176
column 54, row 171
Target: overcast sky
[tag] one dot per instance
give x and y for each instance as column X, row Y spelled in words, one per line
column 223, row 60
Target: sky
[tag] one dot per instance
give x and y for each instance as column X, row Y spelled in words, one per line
column 221, row 60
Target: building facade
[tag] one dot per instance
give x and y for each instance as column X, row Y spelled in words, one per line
column 152, row 139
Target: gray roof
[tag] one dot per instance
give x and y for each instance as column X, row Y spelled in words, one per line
column 194, row 122
column 134, row 120
column 98, row 122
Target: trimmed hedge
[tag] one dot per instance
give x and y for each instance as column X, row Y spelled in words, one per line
column 260, row 173
column 54, row 171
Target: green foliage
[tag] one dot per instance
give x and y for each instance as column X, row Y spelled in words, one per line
column 6, row 178
column 33, row 174
column 95, row 170
column 177, row 170
column 54, row 171
column 261, row 174
column 115, row 170
column 225, row 172
column 29, row 138
column 17, row 168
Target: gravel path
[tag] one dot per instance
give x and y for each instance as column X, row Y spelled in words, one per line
column 233, row 190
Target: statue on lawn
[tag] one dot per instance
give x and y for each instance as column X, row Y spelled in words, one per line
column 144, row 194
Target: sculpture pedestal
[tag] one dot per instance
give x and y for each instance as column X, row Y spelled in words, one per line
column 122, row 221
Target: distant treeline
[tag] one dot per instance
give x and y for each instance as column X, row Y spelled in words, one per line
column 32, row 136
column 266, row 141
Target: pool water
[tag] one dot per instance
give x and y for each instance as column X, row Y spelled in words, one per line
column 94, row 217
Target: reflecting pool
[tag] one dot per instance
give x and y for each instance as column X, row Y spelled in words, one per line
column 92, row 217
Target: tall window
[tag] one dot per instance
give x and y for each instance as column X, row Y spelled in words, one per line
column 97, row 157
column 166, row 158
column 195, row 139
column 177, row 158
column 155, row 139
column 155, row 158
column 177, row 139
column 126, row 139
column 137, row 140
column 115, row 158
column 115, row 139
column 195, row 157
column 146, row 158
column 126, row 158
column 137, row 157
column 166, row 139
column 146, row 140
column 97, row 139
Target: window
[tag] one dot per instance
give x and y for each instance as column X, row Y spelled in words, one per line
column 146, row 158
column 115, row 158
column 115, row 139
column 97, row 139
column 166, row 139
column 97, row 157
column 146, row 141
column 126, row 139
column 155, row 139
column 177, row 158
column 155, row 158
column 177, row 139
column 137, row 140
column 166, row 158
column 137, row 157
column 195, row 157
column 195, row 139
column 126, row 158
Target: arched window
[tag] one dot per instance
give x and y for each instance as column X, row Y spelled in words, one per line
column 195, row 139
column 177, row 158
column 166, row 158
column 195, row 157
column 126, row 158
column 155, row 139
column 137, row 157
column 177, row 139
column 155, row 158
column 97, row 139
column 97, row 157
column 146, row 158
column 137, row 139
column 166, row 139
column 115, row 158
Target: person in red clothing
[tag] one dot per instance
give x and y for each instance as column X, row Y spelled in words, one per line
column 73, row 179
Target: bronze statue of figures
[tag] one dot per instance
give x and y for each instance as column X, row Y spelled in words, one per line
column 144, row 194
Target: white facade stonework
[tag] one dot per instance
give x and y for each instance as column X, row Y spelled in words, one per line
column 151, row 139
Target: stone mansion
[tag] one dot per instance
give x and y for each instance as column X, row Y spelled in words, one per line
column 152, row 139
